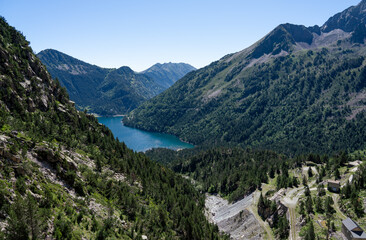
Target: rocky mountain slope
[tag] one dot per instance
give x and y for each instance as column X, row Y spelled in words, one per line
column 64, row 176
column 235, row 219
column 110, row 91
column 297, row 89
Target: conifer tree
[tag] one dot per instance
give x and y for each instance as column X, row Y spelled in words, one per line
column 309, row 205
column 310, row 172
column 17, row 223
column 310, row 234
column 318, row 204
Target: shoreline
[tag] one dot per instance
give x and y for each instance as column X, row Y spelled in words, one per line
column 183, row 144
column 106, row 116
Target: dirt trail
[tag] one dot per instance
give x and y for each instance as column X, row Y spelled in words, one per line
column 290, row 200
column 292, row 223
column 336, row 206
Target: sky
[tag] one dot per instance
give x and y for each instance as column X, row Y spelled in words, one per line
column 140, row 33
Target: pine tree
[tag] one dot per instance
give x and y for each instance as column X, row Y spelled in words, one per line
column 283, row 228
column 261, row 206
column 321, row 191
column 310, row 172
column 295, row 182
column 337, row 175
column 309, row 205
column 304, row 181
column 271, row 172
column 25, row 219
column 17, row 228
column 302, row 208
column 34, row 217
column 307, row 191
column 310, row 234
column 318, row 205
column 328, row 205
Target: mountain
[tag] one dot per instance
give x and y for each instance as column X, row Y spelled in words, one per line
column 167, row 74
column 64, row 176
column 348, row 20
column 109, row 91
column 298, row 89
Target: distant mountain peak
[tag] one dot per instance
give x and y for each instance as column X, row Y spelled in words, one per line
column 110, row 91
column 166, row 74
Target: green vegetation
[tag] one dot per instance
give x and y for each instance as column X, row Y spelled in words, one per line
column 62, row 174
column 232, row 172
column 268, row 208
column 306, row 101
column 109, row 91
column 294, row 91
column 352, row 194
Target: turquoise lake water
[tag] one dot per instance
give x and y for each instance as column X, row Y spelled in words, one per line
column 139, row 140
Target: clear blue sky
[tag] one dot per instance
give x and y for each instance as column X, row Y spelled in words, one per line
column 140, row 33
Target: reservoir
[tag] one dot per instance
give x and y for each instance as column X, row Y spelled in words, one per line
column 140, row 140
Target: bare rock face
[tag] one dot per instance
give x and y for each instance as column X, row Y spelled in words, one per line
column 242, row 225
column 233, row 219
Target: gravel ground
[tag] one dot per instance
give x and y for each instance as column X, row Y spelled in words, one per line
column 233, row 219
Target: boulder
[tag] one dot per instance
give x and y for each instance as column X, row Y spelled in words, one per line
column 11, row 157
column 46, row 154
column 19, row 170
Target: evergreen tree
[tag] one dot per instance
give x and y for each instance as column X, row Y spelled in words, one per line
column 310, row 172
column 309, row 205
column 346, row 190
column 261, row 206
column 304, row 181
column 33, row 217
column 321, row 190
column 328, row 205
column 271, row 172
column 295, row 182
column 337, row 175
column 318, row 204
column 17, row 228
column 310, row 234
column 302, row 208
column 283, row 228
column 307, row 191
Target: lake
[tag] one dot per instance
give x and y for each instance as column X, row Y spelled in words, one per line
column 139, row 140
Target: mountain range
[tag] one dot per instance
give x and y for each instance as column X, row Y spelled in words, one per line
column 64, row 176
column 297, row 89
column 108, row 91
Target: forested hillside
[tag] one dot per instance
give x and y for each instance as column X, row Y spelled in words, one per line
column 64, row 176
column 109, row 91
column 296, row 90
